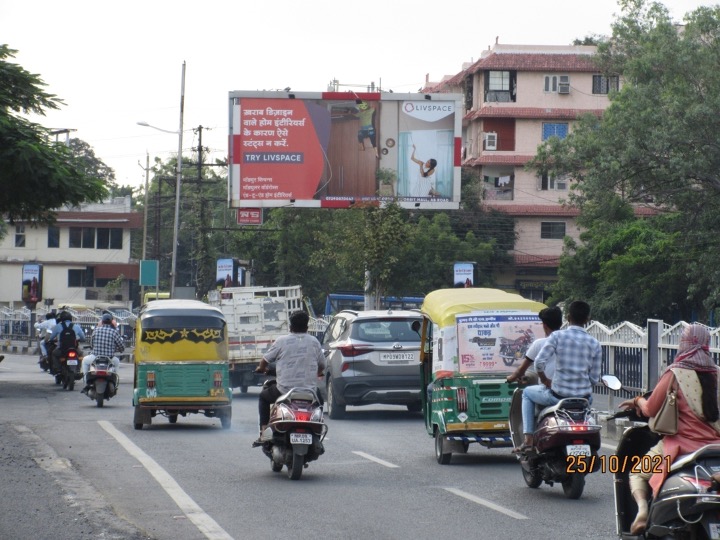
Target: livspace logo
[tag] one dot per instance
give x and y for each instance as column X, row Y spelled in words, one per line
column 429, row 111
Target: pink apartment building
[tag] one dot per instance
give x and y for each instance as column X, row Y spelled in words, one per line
column 516, row 96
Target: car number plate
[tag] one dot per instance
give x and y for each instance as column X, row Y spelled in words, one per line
column 72, row 362
column 578, row 450
column 403, row 356
column 300, row 438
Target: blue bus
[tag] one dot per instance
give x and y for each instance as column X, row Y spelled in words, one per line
column 338, row 301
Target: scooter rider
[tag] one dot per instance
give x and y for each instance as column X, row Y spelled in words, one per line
column 64, row 321
column 105, row 341
column 298, row 360
column 46, row 327
column 578, row 358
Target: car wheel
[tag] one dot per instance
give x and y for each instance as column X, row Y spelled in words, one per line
column 334, row 409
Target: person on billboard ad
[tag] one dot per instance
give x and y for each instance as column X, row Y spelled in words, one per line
column 365, row 112
column 424, row 183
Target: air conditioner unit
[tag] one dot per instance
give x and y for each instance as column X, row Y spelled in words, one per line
column 564, row 84
column 491, row 141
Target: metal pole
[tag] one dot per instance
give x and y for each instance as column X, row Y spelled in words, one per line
column 178, row 184
column 145, row 219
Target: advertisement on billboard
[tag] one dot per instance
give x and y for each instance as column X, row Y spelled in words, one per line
column 31, row 283
column 340, row 149
column 464, row 273
column 495, row 343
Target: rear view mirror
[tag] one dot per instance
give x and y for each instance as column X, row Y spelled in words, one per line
column 612, row 382
column 416, row 327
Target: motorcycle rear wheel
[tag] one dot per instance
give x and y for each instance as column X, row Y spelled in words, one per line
column 296, row 467
column 99, row 399
column 573, row 485
column 532, row 478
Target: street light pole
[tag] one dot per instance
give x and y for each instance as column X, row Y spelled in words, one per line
column 144, row 243
column 178, row 184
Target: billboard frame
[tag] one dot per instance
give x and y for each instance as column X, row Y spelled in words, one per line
column 314, row 149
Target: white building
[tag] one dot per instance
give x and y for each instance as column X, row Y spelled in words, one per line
column 86, row 249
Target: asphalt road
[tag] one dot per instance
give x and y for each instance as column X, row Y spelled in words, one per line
column 69, row 470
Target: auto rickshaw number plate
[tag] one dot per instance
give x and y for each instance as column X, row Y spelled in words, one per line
column 300, row 438
column 578, row 450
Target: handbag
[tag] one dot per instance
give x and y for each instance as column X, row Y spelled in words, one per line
column 665, row 422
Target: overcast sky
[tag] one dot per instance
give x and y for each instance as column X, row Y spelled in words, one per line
column 118, row 63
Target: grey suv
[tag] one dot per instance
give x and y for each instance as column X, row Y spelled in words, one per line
column 372, row 357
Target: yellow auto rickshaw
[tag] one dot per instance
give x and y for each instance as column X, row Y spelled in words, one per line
column 472, row 339
column 181, row 362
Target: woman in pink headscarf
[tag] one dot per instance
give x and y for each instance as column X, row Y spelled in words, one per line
column 695, row 376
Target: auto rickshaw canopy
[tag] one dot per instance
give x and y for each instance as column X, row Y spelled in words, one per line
column 443, row 305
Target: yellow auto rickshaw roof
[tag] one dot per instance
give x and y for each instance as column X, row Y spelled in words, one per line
column 443, row 305
column 190, row 308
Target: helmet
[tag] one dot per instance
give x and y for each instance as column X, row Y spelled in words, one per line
column 65, row 316
column 107, row 318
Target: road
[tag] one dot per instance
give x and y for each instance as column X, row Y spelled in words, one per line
column 82, row 472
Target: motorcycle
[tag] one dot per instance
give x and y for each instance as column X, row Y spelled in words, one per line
column 566, row 442
column 69, row 369
column 515, row 349
column 103, row 380
column 296, row 430
column 687, row 505
column 45, row 361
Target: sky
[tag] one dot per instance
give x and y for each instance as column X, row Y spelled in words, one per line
column 115, row 64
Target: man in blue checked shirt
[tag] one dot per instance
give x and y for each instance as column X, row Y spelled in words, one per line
column 577, row 358
column 105, row 341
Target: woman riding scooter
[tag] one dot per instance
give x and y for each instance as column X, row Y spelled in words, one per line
column 695, row 376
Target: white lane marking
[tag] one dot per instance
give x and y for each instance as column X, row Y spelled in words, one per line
column 377, row 460
column 207, row 525
column 488, row 504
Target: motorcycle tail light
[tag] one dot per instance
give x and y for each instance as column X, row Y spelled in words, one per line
column 151, row 379
column 461, row 397
column 217, row 379
column 72, row 354
column 302, row 416
column 702, row 485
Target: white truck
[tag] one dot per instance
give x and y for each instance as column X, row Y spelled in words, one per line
column 256, row 316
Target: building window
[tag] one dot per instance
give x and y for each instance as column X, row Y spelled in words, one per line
column 19, row 235
column 554, row 130
column 53, row 236
column 552, row 230
column 109, row 238
column 82, row 237
column 81, row 278
column 548, row 183
column 551, row 83
column 500, row 86
column 602, row 84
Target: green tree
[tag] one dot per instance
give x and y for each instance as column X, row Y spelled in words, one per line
column 657, row 146
column 41, row 175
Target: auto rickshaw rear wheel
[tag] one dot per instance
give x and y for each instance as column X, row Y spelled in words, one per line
column 442, row 458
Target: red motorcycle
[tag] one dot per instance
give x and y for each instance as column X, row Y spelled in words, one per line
column 515, row 349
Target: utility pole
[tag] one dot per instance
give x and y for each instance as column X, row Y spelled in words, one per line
column 145, row 218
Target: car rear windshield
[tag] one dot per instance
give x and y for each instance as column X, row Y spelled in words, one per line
column 378, row 330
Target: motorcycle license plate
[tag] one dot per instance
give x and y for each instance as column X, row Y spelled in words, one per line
column 300, row 438
column 72, row 362
column 578, row 450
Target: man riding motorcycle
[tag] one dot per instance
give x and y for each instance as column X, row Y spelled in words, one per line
column 105, row 341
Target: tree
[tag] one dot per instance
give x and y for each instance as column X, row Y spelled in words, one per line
column 657, row 145
column 41, row 175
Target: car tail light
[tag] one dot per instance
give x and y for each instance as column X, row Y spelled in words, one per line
column 351, row 351
column 217, row 379
column 462, row 401
column 345, row 366
column 150, row 379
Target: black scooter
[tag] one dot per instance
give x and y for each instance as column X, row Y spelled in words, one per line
column 567, row 440
column 688, row 503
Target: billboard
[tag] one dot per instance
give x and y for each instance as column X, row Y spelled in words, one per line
column 340, row 149
column 31, row 283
